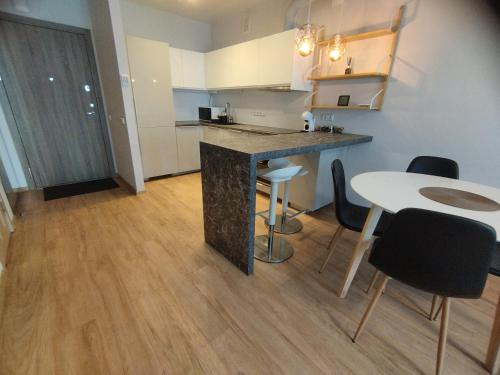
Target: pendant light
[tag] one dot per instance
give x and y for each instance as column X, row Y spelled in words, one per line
column 306, row 36
column 337, row 49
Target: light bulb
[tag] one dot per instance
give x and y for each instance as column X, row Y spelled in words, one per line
column 305, row 47
column 306, row 39
column 338, row 49
column 335, row 54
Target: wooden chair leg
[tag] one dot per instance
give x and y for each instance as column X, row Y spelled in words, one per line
column 433, row 306
column 443, row 333
column 332, row 245
column 373, row 281
column 438, row 310
column 370, row 308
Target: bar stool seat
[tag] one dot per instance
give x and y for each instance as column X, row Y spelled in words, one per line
column 268, row 248
column 285, row 223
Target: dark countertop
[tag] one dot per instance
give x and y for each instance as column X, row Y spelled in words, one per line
column 257, row 129
column 282, row 145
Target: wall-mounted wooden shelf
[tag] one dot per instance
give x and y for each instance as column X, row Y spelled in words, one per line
column 362, row 36
column 349, row 76
column 377, row 101
column 349, row 107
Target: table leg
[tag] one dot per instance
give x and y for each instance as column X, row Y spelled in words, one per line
column 361, row 247
column 493, row 356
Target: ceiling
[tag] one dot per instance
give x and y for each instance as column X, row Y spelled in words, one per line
column 202, row 10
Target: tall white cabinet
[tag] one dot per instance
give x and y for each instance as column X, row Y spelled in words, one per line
column 149, row 63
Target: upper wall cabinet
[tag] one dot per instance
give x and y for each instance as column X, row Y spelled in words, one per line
column 265, row 62
column 233, row 67
column 280, row 64
column 188, row 69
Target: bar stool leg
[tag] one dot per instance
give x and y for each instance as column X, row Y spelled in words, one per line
column 284, row 225
column 268, row 248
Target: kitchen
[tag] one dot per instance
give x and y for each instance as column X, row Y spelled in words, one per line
column 224, row 247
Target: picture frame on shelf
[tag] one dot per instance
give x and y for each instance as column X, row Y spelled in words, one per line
column 343, row 100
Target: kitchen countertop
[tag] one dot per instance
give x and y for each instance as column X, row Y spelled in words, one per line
column 273, row 146
column 256, row 129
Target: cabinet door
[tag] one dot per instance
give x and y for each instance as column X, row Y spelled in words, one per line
column 176, row 60
column 211, row 134
column 149, row 62
column 276, row 58
column 188, row 147
column 244, row 59
column 158, row 150
column 219, row 68
column 193, row 70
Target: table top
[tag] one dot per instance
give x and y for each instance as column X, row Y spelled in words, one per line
column 274, row 146
column 394, row 191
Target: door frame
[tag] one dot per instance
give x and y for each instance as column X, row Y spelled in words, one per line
column 103, row 123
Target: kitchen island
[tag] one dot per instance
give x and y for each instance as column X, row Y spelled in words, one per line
column 228, row 169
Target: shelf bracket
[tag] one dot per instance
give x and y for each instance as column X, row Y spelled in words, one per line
column 375, row 97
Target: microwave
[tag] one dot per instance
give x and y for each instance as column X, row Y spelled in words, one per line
column 209, row 114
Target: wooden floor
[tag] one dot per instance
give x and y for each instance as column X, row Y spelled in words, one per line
column 110, row 283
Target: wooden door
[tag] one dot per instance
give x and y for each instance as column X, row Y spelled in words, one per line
column 52, row 89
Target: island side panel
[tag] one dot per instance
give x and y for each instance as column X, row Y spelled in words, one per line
column 229, row 187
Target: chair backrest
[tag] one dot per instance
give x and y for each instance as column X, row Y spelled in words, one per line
column 495, row 262
column 436, row 252
column 341, row 202
column 434, row 166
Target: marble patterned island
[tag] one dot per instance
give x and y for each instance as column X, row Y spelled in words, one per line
column 228, row 169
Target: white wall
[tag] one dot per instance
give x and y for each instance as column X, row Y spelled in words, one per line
column 9, row 157
column 443, row 97
column 109, row 43
column 156, row 24
column 68, row 12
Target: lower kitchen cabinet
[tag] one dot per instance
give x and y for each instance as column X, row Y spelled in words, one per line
column 158, row 150
column 188, row 147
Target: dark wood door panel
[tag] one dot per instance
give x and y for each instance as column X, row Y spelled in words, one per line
column 49, row 83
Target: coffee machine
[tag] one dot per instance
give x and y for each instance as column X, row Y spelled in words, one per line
column 309, row 122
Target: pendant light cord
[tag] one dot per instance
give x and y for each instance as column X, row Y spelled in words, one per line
column 309, row 13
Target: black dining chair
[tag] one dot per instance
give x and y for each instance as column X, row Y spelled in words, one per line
column 446, row 255
column 434, row 166
column 349, row 215
column 494, row 270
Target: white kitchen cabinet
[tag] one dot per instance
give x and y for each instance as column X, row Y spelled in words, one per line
column 233, row 67
column 176, row 67
column 187, row 69
column 281, row 65
column 266, row 62
column 188, row 147
column 149, row 62
column 158, row 150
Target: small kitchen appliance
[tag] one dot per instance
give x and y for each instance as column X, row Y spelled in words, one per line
column 209, row 114
column 309, row 122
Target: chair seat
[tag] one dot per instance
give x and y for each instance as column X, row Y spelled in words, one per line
column 354, row 218
column 495, row 262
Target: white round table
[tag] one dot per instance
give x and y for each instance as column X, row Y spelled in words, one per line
column 394, row 191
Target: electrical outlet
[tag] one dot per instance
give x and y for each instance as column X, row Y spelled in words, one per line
column 259, row 114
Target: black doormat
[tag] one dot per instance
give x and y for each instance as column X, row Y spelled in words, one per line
column 63, row 191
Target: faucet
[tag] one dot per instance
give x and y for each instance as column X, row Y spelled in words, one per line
column 228, row 112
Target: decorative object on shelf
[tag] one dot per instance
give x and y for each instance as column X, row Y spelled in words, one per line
column 337, row 49
column 343, row 100
column 348, row 69
column 307, row 36
column 309, row 122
